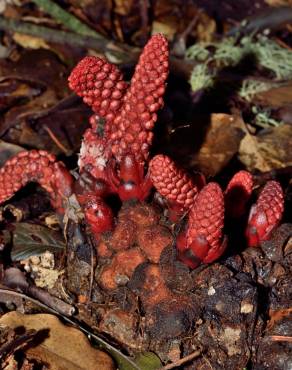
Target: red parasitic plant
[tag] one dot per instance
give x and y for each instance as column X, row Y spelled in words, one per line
column 265, row 214
column 114, row 157
column 129, row 116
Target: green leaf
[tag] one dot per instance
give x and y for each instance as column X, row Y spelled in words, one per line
column 148, row 361
column 32, row 239
column 143, row 361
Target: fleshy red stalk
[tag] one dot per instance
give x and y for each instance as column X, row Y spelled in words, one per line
column 128, row 181
column 238, row 193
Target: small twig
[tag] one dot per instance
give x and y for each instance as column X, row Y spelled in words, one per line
column 182, row 360
column 144, row 5
column 123, row 53
column 92, row 268
column 280, row 338
column 56, row 140
column 54, row 302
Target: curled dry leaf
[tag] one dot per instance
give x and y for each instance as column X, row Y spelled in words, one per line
column 62, row 347
column 270, row 150
column 221, row 143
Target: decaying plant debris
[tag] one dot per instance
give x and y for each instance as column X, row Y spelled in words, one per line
column 167, row 241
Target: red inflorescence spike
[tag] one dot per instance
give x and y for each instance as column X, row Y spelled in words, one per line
column 132, row 127
column 101, row 86
column 237, row 194
column 38, row 166
column 173, row 183
column 203, row 240
column 266, row 214
column 206, row 217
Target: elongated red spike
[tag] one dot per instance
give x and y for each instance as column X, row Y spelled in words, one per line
column 132, row 127
column 173, row 183
column 37, row 166
column 238, row 193
column 101, row 86
column 203, row 241
column 266, row 214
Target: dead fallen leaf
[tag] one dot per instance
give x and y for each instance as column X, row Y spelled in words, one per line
column 45, row 85
column 206, row 28
column 123, row 7
column 250, row 155
column 221, row 143
column 64, row 348
column 32, row 239
column 279, row 2
column 30, row 42
column 276, row 97
column 271, row 149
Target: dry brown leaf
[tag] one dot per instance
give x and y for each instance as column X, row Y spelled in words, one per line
column 279, row 2
column 276, row 97
column 123, row 7
column 30, row 42
column 65, row 348
column 250, row 155
column 167, row 29
column 271, row 149
column 221, row 143
column 206, row 28
column 275, row 145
